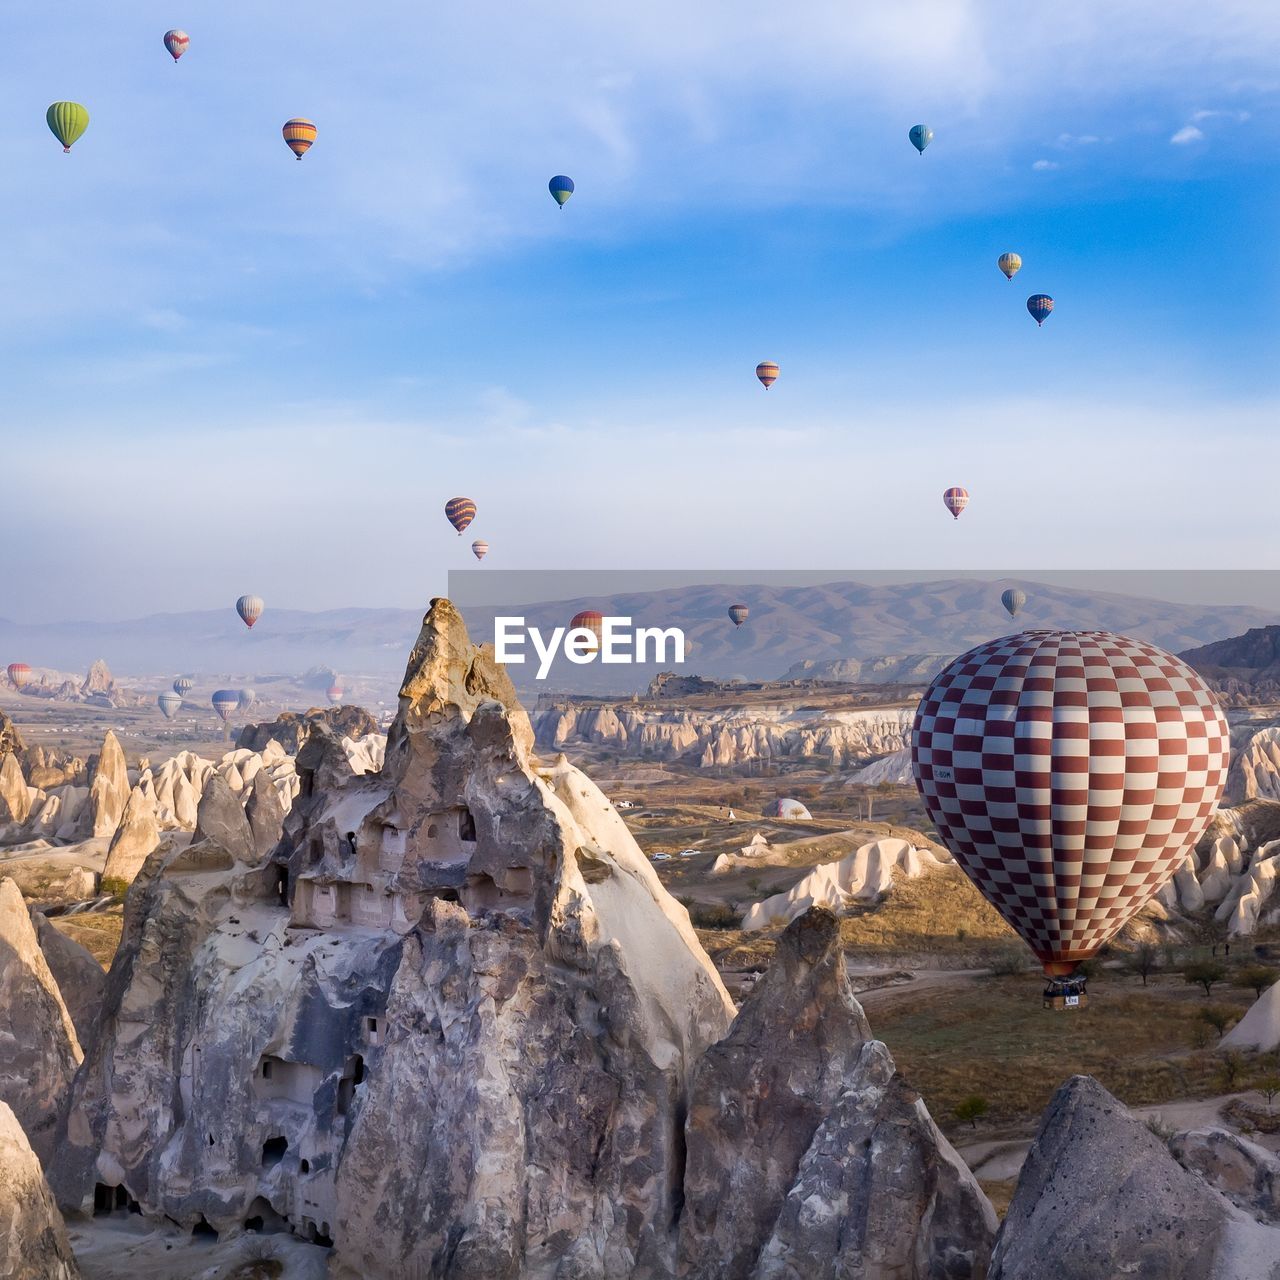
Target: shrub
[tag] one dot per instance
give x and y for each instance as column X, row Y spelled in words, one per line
column 971, row 1109
column 1143, row 961
column 713, row 915
column 1255, row 977
column 1218, row 1016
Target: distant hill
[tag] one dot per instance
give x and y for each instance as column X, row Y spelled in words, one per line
column 910, row 668
column 831, row 623
column 1243, row 669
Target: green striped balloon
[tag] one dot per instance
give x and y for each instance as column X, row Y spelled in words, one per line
column 67, row 121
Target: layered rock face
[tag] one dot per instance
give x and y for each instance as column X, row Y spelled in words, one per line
column 448, row 1024
column 1100, row 1195
column 78, row 975
column 291, row 729
column 33, row 1237
column 808, row 1155
column 723, row 737
column 39, row 1049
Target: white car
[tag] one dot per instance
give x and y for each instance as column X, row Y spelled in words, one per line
column 625, row 804
column 689, row 853
column 660, row 857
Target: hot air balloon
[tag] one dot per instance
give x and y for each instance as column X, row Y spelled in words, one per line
column 250, row 609
column 299, row 134
column 590, row 620
column 738, row 612
column 479, row 548
column 921, row 135
column 956, row 499
column 182, row 685
column 247, row 698
column 176, row 42
column 169, row 704
column 561, row 189
column 225, row 702
column 1013, row 599
column 1040, row 305
column 767, row 372
column 67, row 121
column 334, row 693
column 1010, row 264
column 19, row 674
column 1070, row 773
column 460, row 512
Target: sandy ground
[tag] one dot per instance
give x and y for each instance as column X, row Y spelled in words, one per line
column 1002, row 1161
column 120, row 1247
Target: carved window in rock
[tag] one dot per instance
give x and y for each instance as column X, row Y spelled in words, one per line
column 466, row 826
column 273, row 1151
column 352, row 1075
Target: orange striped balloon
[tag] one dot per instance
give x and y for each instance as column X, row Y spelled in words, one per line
column 460, row 512
column 767, row 372
column 592, row 621
column 299, row 134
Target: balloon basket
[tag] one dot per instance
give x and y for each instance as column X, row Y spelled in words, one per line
column 1066, row 994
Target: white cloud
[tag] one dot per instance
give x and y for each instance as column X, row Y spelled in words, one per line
column 1239, row 116
column 1188, row 133
column 1042, row 165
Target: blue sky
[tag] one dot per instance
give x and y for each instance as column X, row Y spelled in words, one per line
column 225, row 371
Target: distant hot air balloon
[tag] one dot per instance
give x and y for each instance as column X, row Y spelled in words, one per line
column 334, row 693
column 1010, row 264
column 67, row 122
column 738, row 612
column 921, row 135
column 1013, row 599
column 226, row 702
column 1040, row 305
column 250, row 609
column 182, row 685
column 176, row 42
column 767, row 372
column 169, row 704
column 479, row 548
column 561, row 189
column 247, row 698
column 592, row 621
column 299, row 134
column 460, row 512
column 956, row 499
column 1070, row 773
column 19, row 674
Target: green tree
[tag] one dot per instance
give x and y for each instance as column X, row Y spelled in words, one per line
column 1218, row 1016
column 1268, row 1086
column 1255, row 977
column 972, row 1109
column 1232, row 1067
column 1204, row 973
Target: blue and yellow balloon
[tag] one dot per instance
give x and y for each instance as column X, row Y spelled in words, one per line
column 561, row 189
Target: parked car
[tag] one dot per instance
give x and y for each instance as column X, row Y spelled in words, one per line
column 660, row 857
column 689, row 853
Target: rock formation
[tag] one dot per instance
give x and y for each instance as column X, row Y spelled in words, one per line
column 15, row 799
column 1101, row 1195
column 1260, row 1027
column 817, row 1160
column 455, row 989
column 99, row 680
column 33, row 1237
column 39, row 1050
column 291, row 729
column 727, row 736
column 81, row 981
column 10, row 738
column 109, row 790
column 1247, row 1174
column 861, row 877
column 895, row 768
column 136, row 838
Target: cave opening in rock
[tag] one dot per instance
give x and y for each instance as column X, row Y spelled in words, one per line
column 466, row 827
column 202, row 1230
column 282, row 885
column 109, row 1199
column 273, row 1151
column 352, row 1075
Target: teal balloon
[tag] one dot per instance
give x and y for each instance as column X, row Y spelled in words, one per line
column 921, row 135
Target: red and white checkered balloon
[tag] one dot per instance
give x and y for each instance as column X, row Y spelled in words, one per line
column 1069, row 773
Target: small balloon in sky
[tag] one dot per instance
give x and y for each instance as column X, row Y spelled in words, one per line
column 1013, row 599
column 1040, row 305
column 299, row 134
column 767, row 372
column 921, row 135
column 250, row 609
column 176, row 42
column 479, row 548
column 561, row 189
column 1010, row 264
column 956, row 499
column 460, row 512
column 67, row 122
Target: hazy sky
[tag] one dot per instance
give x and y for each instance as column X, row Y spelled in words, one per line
column 226, row 371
